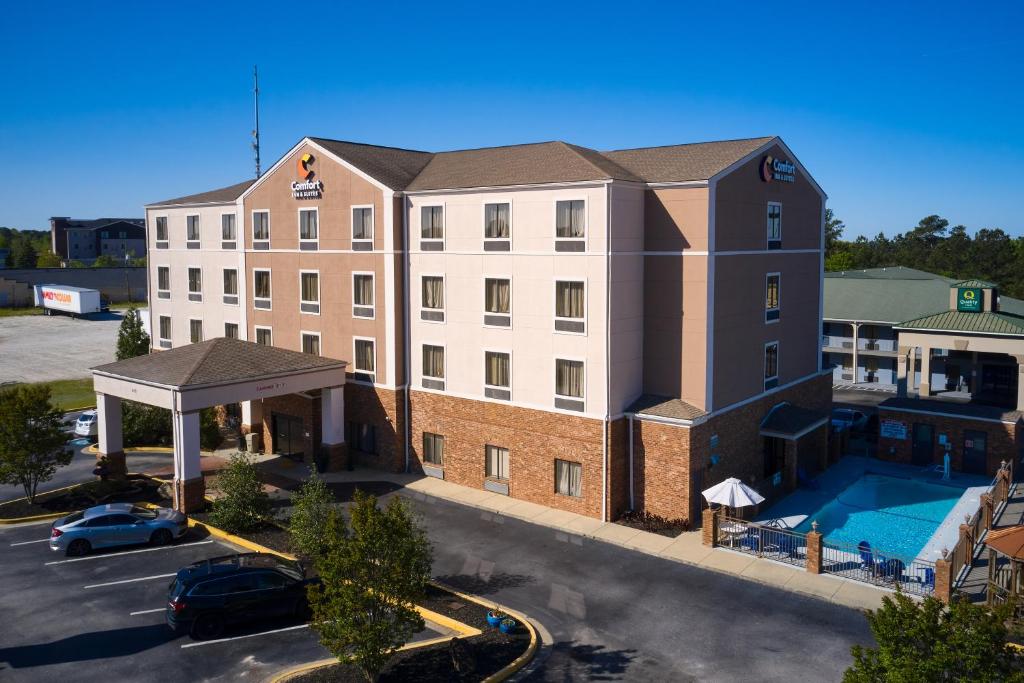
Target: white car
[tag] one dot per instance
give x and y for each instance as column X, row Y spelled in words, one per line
column 845, row 418
column 86, row 424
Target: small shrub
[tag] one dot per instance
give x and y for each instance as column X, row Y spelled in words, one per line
column 656, row 524
column 311, row 508
column 242, row 505
column 209, row 429
column 145, row 425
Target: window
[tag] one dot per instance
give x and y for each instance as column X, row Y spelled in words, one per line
column 570, row 307
column 230, row 286
column 227, row 230
column 568, row 478
column 311, row 343
column 433, row 367
column 432, row 228
column 161, row 232
column 433, row 449
column 309, row 231
column 497, row 302
column 192, row 231
column 496, row 462
column 362, row 295
column 195, row 284
column 362, row 228
column 264, row 336
column 362, row 437
column 774, row 225
column 105, row 235
column 163, row 282
column 771, row 297
column 771, row 365
column 497, row 226
column 432, row 308
column 497, row 375
column 569, row 384
column 364, row 353
column 261, row 229
column 570, row 225
column 309, row 292
column 165, row 331
column 231, row 330
column 195, row 331
column 261, row 289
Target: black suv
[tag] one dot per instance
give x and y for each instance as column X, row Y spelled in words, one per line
column 209, row 594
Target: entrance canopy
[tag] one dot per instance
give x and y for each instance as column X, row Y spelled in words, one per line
column 790, row 422
column 216, row 372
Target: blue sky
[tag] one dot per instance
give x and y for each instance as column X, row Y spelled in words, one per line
column 899, row 111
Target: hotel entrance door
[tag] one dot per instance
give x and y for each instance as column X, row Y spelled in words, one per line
column 288, row 436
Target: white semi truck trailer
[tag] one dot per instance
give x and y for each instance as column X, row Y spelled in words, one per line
column 74, row 301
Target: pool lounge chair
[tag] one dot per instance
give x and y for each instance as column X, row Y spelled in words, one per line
column 867, row 557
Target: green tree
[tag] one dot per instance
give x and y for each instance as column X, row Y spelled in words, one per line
column 209, row 429
column 132, row 339
column 373, row 571
column 242, row 504
column 833, row 232
column 106, row 261
column 839, row 260
column 22, row 255
column 924, row 642
column 48, row 259
column 311, row 507
column 145, row 425
column 32, row 439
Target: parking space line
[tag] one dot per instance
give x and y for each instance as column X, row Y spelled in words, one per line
column 144, row 578
column 127, row 552
column 247, row 635
column 146, row 611
column 41, row 540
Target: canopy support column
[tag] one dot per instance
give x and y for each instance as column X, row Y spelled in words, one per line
column 110, row 442
column 332, row 425
column 189, row 488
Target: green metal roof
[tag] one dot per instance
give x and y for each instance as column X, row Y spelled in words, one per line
column 986, row 322
column 974, row 283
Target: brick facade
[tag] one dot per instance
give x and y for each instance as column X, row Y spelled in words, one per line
column 1003, row 439
column 385, row 410
column 293, row 405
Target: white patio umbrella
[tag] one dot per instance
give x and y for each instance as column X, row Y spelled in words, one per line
column 732, row 493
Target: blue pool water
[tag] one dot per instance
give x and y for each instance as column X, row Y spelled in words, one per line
column 894, row 515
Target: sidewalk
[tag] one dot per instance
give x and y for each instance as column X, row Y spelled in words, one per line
column 686, row 548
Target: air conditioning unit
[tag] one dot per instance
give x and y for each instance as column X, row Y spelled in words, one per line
column 848, row 377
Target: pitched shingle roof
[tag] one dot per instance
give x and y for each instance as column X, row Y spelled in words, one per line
column 984, row 322
column 791, row 420
column 215, row 361
column 676, row 163
column 663, row 406
column 220, row 196
column 392, row 166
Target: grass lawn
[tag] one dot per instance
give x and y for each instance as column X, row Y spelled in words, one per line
column 71, row 394
column 28, row 310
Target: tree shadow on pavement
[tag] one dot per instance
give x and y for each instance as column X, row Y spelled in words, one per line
column 570, row 661
column 478, row 585
column 119, row 642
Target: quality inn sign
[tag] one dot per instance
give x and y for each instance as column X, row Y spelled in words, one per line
column 968, row 299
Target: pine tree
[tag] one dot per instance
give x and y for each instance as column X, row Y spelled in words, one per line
column 132, row 339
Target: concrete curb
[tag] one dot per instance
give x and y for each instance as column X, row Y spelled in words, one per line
column 94, row 449
column 37, row 518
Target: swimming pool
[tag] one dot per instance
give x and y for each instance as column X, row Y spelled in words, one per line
column 895, row 515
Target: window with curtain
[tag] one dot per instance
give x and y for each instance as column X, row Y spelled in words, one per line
column 311, row 344
column 195, row 280
column 195, row 329
column 308, row 229
column 230, row 281
column 362, row 290
column 261, row 284
column 263, row 336
column 569, row 300
column 433, row 449
column 261, row 225
column 497, row 223
column 365, row 361
column 165, row 327
column 231, row 330
column 161, row 228
column 568, row 478
column 310, row 287
column 192, row 228
column 774, row 221
column 497, row 295
column 362, row 224
column 433, row 361
column 771, row 360
column 496, row 462
column 497, row 369
column 227, row 226
column 362, row 437
column 569, row 378
column 772, row 292
column 163, row 278
column 432, row 222
column 433, row 292
column 570, row 219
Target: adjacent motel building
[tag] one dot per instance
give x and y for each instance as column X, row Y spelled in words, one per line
column 591, row 331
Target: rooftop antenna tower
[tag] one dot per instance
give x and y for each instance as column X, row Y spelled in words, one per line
column 256, row 131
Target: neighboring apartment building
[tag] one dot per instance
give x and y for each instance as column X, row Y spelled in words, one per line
column 77, row 239
column 590, row 331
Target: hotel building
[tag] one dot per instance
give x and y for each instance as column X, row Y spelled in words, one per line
column 592, row 331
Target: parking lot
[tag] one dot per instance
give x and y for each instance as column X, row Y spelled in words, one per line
column 101, row 617
column 40, row 348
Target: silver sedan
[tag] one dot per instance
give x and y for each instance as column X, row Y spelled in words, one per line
column 115, row 524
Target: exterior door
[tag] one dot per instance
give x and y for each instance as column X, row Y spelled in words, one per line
column 923, row 444
column 975, row 452
column 287, row 432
